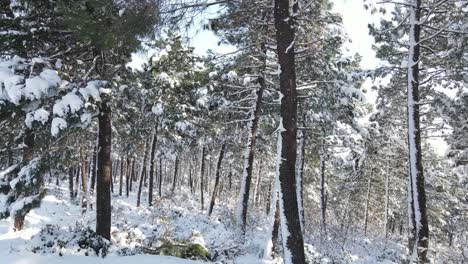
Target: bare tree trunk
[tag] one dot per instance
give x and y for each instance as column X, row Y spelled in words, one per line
column 366, row 211
column 132, row 173
column 127, row 176
column 70, row 183
column 174, row 180
column 151, row 163
column 202, row 171
column 419, row 227
column 160, row 177
column 257, row 184
column 104, row 173
column 242, row 205
column 218, row 169
column 121, row 176
column 276, row 225
column 293, row 244
column 323, row 191
column 94, row 169
column 190, row 176
column 143, row 170
column 387, row 174
column 84, row 181
column 299, row 176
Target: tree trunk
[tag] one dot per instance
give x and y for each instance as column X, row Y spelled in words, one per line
column 70, row 183
column 299, row 176
column 143, row 170
column 28, row 151
column 419, row 228
column 160, row 177
column 244, row 193
column 151, row 163
column 218, row 169
column 387, row 174
column 176, row 168
column 121, row 176
column 257, row 184
column 293, row 244
column 132, row 174
column 127, row 176
column 104, row 172
column 366, row 210
column 190, row 176
column 94, row 168
column 323, row 191
column 202, row 171
column 276, row 225
column 84, row 181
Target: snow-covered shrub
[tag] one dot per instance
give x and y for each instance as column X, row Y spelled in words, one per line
column 69, row 240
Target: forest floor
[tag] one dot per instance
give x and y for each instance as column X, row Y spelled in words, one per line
column 54, row 233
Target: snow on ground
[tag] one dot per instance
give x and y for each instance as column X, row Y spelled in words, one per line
column 173, row 218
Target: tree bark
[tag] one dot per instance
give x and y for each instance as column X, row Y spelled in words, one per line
column 249, row 159
column 143, row 170
column 70, row 183
column 299, row 177
column 151, row 163
column 387, row 175
column 323, row 191
column 257, row 184
column 293, row 244
column 104, row 173
column 127, row 175
column 202, row 171
column 121, row 176
column 218, row 169
column 28, row 151
column 94, row 169
column 419, row 235
column 160, row 177
column 176, row 170
column 84, row 181
column 190, row 176
column 366, row 210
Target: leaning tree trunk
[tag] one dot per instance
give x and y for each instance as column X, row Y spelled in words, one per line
column 419, row 235
column 218, row 169
column 244, row 193
column 293, row 244
column 151, row 163
column 143, row 171
column 104, row 172
column 28, row 151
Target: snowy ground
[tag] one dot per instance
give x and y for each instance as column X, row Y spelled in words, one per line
column 175, row 217
column 132, row 227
